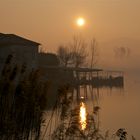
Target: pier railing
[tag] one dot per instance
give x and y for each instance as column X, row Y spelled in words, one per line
column 86, row 76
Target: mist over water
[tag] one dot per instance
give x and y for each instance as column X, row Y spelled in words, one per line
column 115, row 26
column 120, row 107
column 120, row 54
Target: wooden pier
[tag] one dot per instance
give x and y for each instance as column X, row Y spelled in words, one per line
column 86, row 76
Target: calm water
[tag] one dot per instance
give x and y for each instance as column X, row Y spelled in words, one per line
column 120, row 107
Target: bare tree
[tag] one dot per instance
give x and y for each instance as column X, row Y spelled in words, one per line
column 122, row 52
column 78, row 51
column 94, row 53
column 64, row 55
column 73, row 54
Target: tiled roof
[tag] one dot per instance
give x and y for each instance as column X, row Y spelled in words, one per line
column 12, row 39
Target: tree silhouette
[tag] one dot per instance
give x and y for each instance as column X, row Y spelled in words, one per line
column 73, row 54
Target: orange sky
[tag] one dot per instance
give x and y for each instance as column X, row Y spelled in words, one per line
column 52, row 22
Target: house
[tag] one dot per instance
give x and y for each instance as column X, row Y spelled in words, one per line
column 24, row 51
column 48, row 59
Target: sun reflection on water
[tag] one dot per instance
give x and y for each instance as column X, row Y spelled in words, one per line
column 83, row 115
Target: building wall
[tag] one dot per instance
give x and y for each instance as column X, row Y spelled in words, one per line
column 21, row 55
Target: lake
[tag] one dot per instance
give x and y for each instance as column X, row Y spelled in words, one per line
column 119, row 108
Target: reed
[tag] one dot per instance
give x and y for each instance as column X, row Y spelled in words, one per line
column 23, row 98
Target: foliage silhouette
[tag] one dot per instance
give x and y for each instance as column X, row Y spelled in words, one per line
column 22, row 102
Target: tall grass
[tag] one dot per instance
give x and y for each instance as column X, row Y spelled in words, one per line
column 23, row 98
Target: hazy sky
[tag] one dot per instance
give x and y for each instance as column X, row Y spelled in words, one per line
column 52, row 22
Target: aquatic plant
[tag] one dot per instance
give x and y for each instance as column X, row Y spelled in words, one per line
column 23, row 98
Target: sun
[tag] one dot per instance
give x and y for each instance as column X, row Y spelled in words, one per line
column 80, row 21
